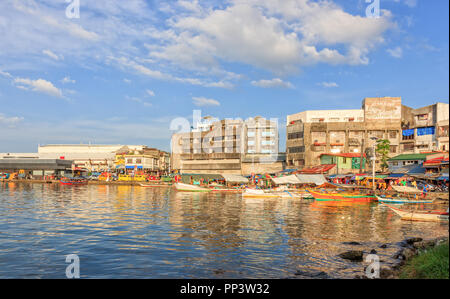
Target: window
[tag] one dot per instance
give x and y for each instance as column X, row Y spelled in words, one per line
column 344, row 160
column 296, row 135
column 392, row 134
column 138, row 161
column 393, row 149
column 298, row 149
column 130, row 161
column 422, row 116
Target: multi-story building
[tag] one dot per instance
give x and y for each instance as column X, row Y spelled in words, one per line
column 426, row 129
column 225, row 146
column 310, row 134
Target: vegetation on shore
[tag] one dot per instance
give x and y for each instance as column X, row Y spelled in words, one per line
column 430, row 264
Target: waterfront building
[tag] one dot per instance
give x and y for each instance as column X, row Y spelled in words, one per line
column 426, row 129
column 344, row 163
column 92, row 157
column 149, row 160
column 311, row 134
column 35, row 167
column 228, row 147
column 404, row 160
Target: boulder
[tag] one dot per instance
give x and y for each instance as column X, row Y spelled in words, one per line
column 411, row 241
column 351, row 243
column 353, row 255
column 409, row 253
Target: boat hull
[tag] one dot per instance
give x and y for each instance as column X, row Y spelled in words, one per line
column 420, row 216
column 342, row 197
column 402, row 200
column 190, row 188
column 67, row 183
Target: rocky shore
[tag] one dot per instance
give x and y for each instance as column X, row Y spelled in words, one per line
column 390, row 268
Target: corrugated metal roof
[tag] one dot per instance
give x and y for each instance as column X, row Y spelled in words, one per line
column 410, row 157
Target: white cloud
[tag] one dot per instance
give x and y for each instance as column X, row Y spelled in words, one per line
column 150, row 92
column 138, row 100
column 201, row 101
column 5, row 74
column 67, row 80
column 328, row 84
column 126, row 80
column 276, row 82
column 396, row 52
column 39, row 85
column 52, row 55
column 10, row 121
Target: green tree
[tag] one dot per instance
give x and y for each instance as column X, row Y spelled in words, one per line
column 382, row 151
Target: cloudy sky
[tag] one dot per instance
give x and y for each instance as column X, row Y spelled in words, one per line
column 124, row 69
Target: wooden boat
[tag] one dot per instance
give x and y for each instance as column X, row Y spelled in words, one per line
column 258, row 193
column 228, row 190
column 439, row 216
column 154, row 185
column 349, row 197
column 73, row 181
column 190, row 188
column 402, row 200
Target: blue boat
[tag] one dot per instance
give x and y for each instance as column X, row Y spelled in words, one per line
column 402, row 200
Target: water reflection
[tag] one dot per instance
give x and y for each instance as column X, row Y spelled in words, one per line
column 127, row 231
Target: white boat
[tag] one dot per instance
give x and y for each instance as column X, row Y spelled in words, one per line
column 258, row 193
column 420, row 215
column 190, row 188
column 402, row 200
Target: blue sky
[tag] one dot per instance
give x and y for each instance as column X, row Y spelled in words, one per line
column 122, row 71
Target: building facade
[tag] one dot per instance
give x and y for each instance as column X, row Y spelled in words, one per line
column 228, row 147
column 426, row 129
column 311, row 134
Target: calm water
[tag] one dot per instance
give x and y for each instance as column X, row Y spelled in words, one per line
column 135, row 232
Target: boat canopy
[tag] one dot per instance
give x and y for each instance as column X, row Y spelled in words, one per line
column 317, row 179
column 284, row 180
column 406, row 189
column 234, row 178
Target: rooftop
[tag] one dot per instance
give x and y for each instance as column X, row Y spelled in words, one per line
column 410, row 157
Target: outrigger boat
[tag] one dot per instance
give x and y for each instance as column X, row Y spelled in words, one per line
column 190, row 188
column 420, row 215
column 402, row 200
column 73, row 181
column 348, row 197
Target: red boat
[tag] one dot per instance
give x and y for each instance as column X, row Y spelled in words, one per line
column 347, row 197
column 73, row 181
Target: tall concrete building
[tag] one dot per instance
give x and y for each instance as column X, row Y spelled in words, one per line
column 426, row 129
column 311, row 134
column 228, row 147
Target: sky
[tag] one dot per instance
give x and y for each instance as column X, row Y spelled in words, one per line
column 119, row 72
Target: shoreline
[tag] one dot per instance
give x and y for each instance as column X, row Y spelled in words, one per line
column 132, row 183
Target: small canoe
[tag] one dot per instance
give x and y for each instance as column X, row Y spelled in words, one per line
column 402, row 200
column 190, row 188
column 319, row 196
column 439, row 216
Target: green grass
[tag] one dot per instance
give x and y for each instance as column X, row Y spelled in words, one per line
column 432, row 264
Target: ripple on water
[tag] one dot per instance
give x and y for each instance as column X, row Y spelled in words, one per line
column 125, row 231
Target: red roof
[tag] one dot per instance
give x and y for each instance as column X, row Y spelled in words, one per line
column 318, row 169
column 438, row 160
column 345, row 155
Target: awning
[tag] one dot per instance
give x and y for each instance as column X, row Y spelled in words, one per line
column 317, row 179
column 318, row 169
column 284, row 180
column 395, row 176
column 234, row 178
column 406, row 189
